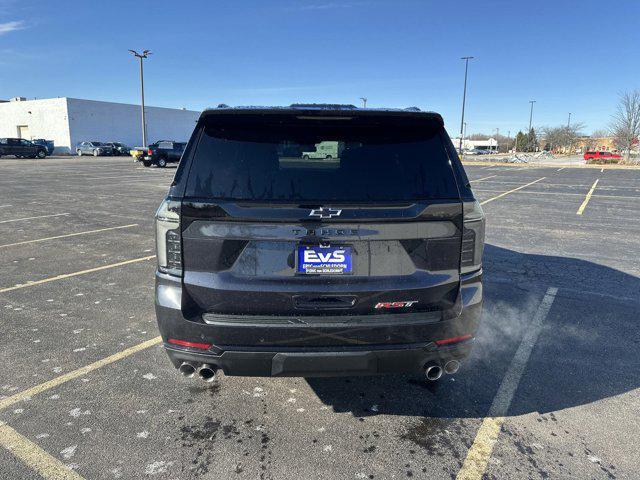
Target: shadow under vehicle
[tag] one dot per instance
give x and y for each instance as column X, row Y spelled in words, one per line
column 586, row 351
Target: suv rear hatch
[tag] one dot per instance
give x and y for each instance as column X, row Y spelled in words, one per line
column 320, row 219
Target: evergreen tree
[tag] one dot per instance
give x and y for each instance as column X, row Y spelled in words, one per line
column 521, row 142
column 532, row 140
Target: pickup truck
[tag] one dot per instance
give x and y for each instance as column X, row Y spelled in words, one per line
column 601, row 157
column 21, row 148
column 163, row 152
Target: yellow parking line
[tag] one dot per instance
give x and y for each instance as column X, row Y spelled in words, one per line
column 68, row 235
column 30, row 392
column 587, row 198
column 511, row 191
column 478, row 456
column 74, row 274
column 34, row 457
column 33, row 218
column 484, row 178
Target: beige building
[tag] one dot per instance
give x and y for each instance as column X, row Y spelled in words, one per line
column 604, row 144
column 583, row 144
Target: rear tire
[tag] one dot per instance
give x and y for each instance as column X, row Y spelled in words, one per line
column 41, row 154
column 79, row 152
column 95, row 153
column 146, row 163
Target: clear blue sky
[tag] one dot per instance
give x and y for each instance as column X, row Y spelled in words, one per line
column 570, row 56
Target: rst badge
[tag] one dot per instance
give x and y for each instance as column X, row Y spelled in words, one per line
column 324, row 260
column 401, row 304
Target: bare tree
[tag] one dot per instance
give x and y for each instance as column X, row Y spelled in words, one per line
column 600, row 133
column 625, row 124
column 563, row 136
column 553, row 137
column 478, row 136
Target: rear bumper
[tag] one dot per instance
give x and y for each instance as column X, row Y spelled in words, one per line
column 326, row 363
column 334, row 348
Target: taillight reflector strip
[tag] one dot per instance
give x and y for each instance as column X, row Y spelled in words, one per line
column 184, row 343
column 447, row 341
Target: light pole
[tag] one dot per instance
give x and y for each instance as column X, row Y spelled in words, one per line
column 569, row 133
column 531, row 113
column 497, row 135
column 364, row 102
column 464, row 99
column 144, row 54
column 529, row 139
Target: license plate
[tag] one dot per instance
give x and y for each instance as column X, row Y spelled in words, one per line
column 324, row 260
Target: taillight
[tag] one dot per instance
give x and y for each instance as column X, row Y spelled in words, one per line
column 448, row 341
column 472, row 237
column 184, row 343
column 149, row 152
column 168, row 237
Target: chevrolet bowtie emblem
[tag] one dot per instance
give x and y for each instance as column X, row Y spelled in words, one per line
column 325, row 212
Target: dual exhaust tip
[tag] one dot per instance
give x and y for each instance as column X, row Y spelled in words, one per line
column 206, row 372
column 434, row 371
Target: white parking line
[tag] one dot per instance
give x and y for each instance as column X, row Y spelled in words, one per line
column 480, row 452
column 74, row 274
column 68, row 235
column 33, row 218
column 510, row 191
column 483, row 178
column 560, row 169
column 8, row 205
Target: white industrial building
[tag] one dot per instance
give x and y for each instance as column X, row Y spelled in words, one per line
column 488, row 144
column 69, row 121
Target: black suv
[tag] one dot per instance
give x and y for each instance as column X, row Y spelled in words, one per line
column 21, row 148
column 275, row 260
column 163, row 152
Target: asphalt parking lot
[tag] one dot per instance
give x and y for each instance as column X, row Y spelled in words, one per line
column 551, row 390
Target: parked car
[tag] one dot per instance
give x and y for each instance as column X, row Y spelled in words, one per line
column 48, row 144
column 477, row 151
column 163, row 152
column 270, row 270
column 21, row 148
column 601, row 157
column 118, row 148
column 93, row 148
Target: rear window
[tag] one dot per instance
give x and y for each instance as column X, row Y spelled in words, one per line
column 289, row 158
